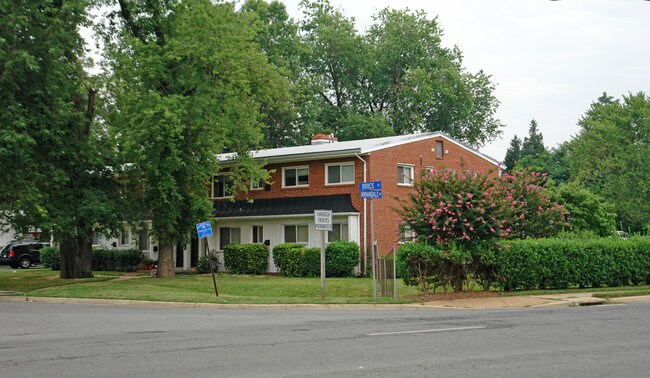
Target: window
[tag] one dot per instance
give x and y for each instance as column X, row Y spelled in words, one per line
column 405, row 175
column 406, row 234
column 258, row 234
column 143, row 239
column 293, row 177
column 296, row 234
column 339, row 233
column 257, row 185
column 440, row 151
column 220, row 186
column 125, row 237
column 339, row 173
column 229, row 235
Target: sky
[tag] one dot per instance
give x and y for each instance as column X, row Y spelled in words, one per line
column 549, row 59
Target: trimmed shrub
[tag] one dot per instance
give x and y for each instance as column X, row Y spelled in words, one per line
column 203, row 265
column 50, row 258
column 420, row 265
column 246, row 258
column 341, row 258
column 560, row 263
column 116, row 259
column 287, row 258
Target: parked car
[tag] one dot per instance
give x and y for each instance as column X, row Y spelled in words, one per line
column 21, row 254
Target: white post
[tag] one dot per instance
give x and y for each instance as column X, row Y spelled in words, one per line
column 322, row 266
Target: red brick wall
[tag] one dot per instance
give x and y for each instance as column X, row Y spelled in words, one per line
column 382, row 166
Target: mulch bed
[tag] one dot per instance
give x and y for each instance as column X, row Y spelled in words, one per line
column 452, row 296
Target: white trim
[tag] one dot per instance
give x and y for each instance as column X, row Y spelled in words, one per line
column 340, row 164
column 224, row 174
column 284, row 169
column 251, row 187
column 412, row 178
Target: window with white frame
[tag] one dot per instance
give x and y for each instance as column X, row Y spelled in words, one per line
column 229, row 235
column 258, row 234
column 406, row 234
column 257, row 184
column 339, row 233
column 440, row 150
column 405, row 174
column 221, row 186
column 296, row 234
column 143, row 239
column 125, row 237
column 340, row 173
column 295, row 177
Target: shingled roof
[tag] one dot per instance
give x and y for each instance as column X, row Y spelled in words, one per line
column 339, row 203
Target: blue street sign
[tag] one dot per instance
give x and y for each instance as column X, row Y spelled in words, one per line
column 371, row 189
column 204, row 229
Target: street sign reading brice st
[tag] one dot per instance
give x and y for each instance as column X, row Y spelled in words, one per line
column 204, row 229
column 371, row 189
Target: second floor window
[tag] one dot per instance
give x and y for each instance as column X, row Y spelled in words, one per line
column 295, row 176
column 296, row 234
column 440, row 151
column 405, row 175
column 221, row 186
column 340, row 173
column 228, row 235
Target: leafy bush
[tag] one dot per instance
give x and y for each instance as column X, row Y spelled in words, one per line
column 560, row 263
column 287, row 258
column 203, row 265
column 419, row 265
column 50, row 257
column 116, row 259
column 341, row 258
column 246, row 258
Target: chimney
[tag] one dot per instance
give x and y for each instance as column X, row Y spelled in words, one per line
column 323, row 139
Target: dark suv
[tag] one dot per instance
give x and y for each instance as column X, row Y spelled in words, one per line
column 21, row 254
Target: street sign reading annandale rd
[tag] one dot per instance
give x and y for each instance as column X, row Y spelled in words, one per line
column 323, row 220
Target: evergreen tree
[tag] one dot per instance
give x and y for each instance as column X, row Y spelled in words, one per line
column 513, row 154
column 534, row 143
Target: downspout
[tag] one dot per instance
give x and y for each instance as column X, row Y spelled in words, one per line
column 365, row 216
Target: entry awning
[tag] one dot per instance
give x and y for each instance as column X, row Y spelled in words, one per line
column 339, row 203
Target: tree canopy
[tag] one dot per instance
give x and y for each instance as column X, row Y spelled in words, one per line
column 187, row 82
column 610, row 156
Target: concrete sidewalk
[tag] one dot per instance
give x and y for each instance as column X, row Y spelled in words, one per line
column 531, row 301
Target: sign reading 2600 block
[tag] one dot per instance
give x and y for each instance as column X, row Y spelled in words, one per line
column 323, row 220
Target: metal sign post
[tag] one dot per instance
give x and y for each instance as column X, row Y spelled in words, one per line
column 204, row 230
column 323, row 223
column 372, row 190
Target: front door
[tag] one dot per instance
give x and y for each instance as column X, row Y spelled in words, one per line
column 179, row 255
column 194, row 252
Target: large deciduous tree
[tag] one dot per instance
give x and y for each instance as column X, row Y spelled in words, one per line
column 610, row 156
column 395, row 79
column 187, row 82
column 53, row 157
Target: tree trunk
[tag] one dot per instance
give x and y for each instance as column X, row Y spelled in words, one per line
column 166, row 267
column 76, row 258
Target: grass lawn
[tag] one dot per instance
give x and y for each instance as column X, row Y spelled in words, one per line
column 198, row 288
column 600, row 292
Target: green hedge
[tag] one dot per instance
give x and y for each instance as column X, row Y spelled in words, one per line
column 116, row 259
column 246, row 258
column 50, row 258
column 103, row 259
column 203, row 265
column 341, row 258
column 562, row 263
column 294, row 260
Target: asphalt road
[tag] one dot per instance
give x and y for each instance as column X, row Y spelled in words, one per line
column 39, row 339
